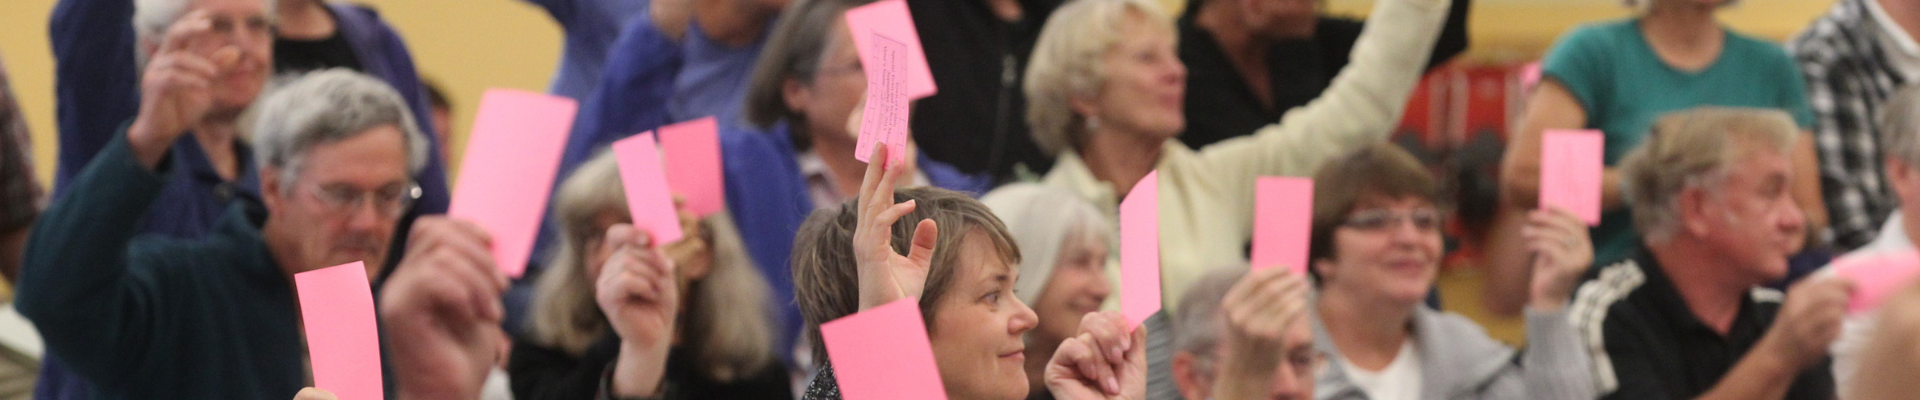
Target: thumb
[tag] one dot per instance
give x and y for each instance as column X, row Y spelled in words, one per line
column 924, row 237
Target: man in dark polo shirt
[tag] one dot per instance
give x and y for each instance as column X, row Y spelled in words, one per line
column 1687, row 317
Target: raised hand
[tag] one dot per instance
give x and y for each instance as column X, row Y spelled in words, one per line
column 1810, row 319
column 1103, row 362
column 1260, row 312
column 1561, row 253
column 885, row 275
column 637, row 291
column 442, row 311
column 177, row 88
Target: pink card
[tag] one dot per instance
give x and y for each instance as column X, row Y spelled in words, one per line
column 884, row 121
column 1877, row 276
column 1140, row 251
column 692, row 153
column 892, row 19
column 343, row 342
column 1283, row 221
column 512, row 157
column 883, row 353
column 645, row 183
column 1571, row 163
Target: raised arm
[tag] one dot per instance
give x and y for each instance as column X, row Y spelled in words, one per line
column 96, row 88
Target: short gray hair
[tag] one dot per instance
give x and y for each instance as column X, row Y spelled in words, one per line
column 1693, row 149
column 1066, row 64
column 151, row 18
column 1196, row 327
column 1042, row 219
column 1900, row 125
column 329, row 106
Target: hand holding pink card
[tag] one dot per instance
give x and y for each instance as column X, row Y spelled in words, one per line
column 513, row 155
column 883, row 353
column 892, row 19
column 343, row 343
column 1571, row 164
column 692, row 153
column 1140, row 251
column 1877, row 277
column 1283, row 221
column 645, row 184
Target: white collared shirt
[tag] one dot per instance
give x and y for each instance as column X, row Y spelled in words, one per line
column 1903, row 54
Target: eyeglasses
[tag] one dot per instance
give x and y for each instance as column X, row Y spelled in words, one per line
column 1305, row 364
column 1424, row 220
column 390, row 202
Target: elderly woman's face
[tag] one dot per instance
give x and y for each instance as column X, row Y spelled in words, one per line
column 1386, row 248
column 977, row 327
column 233, row 35
column 346, row 201
column 1145, row 83
column 837, row 87
column 1077, row 287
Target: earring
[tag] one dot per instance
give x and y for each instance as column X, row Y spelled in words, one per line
column 1093, row 123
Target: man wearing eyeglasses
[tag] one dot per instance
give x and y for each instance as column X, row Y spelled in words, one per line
column 1240, row 335
column 153, row 317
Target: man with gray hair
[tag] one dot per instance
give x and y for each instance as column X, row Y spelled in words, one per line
column 1686, row 316
column 154, row 317
column 1899, row 131
column 1241, row 335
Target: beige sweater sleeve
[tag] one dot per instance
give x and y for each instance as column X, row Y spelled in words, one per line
column 1361, row 106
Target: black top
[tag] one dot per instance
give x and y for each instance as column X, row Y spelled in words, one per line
column 978, row 120
column 294, row 55
column 1220, row 103
column 544, row 373
column 1659, row 350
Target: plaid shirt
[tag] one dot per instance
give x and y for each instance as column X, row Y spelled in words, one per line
column 19, row 192
column 1848, row 80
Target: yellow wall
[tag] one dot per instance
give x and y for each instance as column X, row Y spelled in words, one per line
column 471, row 45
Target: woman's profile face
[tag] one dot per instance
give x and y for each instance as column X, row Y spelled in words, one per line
column 977, row 326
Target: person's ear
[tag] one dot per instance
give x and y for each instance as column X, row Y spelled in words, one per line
column 1187, row 378
column 797, row 95
column 1087, row 107
column 1323, row 267
column 1694, row 212
column 1905, row 181
column 271, row 193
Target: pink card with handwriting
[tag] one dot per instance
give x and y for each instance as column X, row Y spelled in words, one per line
column 1283, row 221
column 883, row 353
column 1877, row 277
column 1140, row 250
column 645, row 183
column 692, row 153
column 343, row 342
column 892, row 19
column 884, row 120
column 512, row 157
column 1571, row 163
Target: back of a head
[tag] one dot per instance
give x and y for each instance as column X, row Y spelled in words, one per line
column 1694, row 149
column 1042, row 218
column 825, row 269
column 324, row 107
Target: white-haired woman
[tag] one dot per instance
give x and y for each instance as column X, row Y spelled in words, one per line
column 1618, row 76
column 1105, row 92
column 723, row 344
column 1064, row 243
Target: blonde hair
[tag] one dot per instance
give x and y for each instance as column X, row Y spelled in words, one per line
column 725, row 315
column 1693, row 149
column 1066, row 65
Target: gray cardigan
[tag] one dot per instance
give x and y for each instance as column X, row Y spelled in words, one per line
column 1460, row 362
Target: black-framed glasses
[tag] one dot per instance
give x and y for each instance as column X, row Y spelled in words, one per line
column 390, row 201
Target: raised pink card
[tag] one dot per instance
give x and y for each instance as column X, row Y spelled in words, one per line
column 343, row 340
column 1282, row 222
column 513, row 154
column 884, row 120
column 1877, row 277
column 892, row 19
column 692, row 153
column 645, row 183
column 1140, row 251
column 883, row 353
column 1571, row 163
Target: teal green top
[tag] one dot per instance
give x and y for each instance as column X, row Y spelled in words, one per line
column 1623, row 87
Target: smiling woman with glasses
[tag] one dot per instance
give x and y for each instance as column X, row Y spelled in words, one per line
column 1376, row 250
